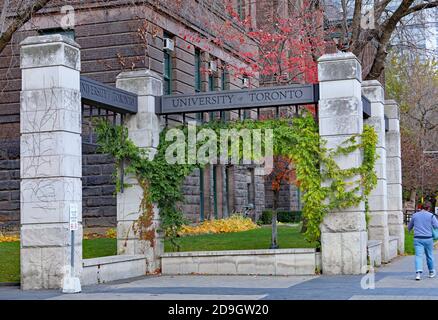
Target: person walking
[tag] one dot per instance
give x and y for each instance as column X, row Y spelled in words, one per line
column 423, row 222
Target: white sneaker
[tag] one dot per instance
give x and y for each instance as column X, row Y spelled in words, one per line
column 418, row 276
column 432, row 274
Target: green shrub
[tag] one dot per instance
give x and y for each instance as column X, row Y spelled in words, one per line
column 298, row 216
column 282, row 216
column 266, row 217
column 289, row 216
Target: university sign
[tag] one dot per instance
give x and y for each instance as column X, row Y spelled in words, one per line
column 101, row 95
column 237, row 99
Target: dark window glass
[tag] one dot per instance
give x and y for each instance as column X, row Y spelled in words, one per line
column 167, row 73
column 211, row 88
column 68, row 33
column 224, row 114
column 197, row 70
column 240, row 9
column 199, row 115
column 210, row 82
column 167, row 69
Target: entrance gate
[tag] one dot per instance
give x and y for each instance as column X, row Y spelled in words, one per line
column 51, row 171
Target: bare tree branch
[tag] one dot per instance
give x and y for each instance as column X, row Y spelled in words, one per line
column 386, row 29
column 422, row 6
column 357, row 15
column 380, row 7
column 19, row 20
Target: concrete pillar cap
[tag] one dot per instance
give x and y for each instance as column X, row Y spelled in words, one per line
column 371, row 83
column 391, row 102
column 46, row 39
column 142, row 73
column 338, row 56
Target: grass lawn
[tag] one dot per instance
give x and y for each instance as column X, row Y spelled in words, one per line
column 10, row 261
column 10, row 255
column 409, row 242
column 288, row 237
column 100, row 247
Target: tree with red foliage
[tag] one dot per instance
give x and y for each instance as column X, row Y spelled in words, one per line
column 282, row 49
column 283, row 172
column 286, row 51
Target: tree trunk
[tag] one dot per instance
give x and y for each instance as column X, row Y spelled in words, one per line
column 274, row 242
column 413, row 195
column 304, row 226
column 225, row 212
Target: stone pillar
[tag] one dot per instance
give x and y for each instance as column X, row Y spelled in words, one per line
column 50, row 160
column 394, row 174
column 343, row 232
column 144, row 130
column 377, row 201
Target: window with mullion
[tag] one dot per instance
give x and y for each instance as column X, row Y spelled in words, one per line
column 197, row 70
column 167, row 74
column 240, row 9
column 224, row 114
column 167, row 68
column 199, row 115
column 211, row 88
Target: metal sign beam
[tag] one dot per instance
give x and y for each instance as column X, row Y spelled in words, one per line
column 296, row 94
column 113, row 99
column 366, row 106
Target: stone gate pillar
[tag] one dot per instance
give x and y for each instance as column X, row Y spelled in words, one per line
column 50, row 160
column 377, row 200
column 343, row 232
column 144, row 130
column 394, row 174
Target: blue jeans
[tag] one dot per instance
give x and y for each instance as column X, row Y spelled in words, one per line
column 423, row 246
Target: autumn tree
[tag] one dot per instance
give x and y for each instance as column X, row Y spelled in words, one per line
column 414, row 84
column 283, row 172
column 283, row 48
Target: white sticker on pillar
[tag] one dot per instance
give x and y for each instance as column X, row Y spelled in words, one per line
column 73, row 217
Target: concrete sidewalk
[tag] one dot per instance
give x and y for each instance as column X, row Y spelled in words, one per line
column 391, row 281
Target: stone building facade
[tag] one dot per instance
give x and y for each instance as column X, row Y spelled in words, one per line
column 121, row 35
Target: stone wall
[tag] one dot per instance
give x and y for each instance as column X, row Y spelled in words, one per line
column 98, row 188
column 280, row 262
column 9, row 185
column 242, row 190
column 99, row 203
column 191, row 190
column 250, row 188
